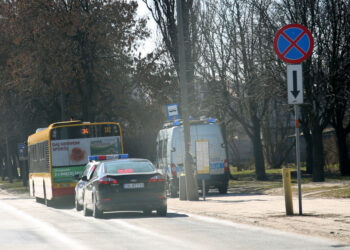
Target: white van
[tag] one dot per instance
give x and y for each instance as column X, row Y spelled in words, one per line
column 171, row 152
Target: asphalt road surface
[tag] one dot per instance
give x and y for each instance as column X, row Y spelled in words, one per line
column 25, row 224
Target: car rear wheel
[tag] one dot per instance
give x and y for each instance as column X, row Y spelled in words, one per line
column 96, row 213
column 162, row 211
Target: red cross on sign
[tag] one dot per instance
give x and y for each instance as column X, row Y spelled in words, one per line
column 293, row 43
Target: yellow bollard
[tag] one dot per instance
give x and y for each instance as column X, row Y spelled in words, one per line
column 287, row 185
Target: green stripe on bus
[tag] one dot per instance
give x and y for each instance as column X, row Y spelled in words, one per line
column 66, row 173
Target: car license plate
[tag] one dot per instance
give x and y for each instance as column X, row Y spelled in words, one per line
column 134, row 185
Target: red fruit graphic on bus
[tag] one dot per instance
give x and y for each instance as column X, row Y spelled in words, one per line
column 77, row 154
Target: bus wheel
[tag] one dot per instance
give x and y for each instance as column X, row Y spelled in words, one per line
column 36, row 198
column 46, row 201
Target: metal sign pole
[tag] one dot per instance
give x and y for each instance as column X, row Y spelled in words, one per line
column 297, row 146
column 293, row 44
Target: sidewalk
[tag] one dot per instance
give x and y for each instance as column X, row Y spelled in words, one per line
column 321, row 217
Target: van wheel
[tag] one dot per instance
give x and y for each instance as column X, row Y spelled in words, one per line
column 206, row 190
column 223, row 189
column 172, row 189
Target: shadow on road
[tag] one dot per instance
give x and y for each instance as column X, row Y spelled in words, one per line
column 233, row 192
column 138, row 215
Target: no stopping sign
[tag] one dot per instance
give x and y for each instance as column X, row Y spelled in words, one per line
column 293, row 43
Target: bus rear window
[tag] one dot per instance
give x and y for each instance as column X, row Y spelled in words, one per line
column 85, row 131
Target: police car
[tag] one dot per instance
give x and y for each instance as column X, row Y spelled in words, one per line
column 117, row 183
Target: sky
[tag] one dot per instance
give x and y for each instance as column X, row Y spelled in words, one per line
column 149, row 45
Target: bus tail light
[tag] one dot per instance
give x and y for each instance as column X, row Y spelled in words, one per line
column 107, row 180
column 173, row 170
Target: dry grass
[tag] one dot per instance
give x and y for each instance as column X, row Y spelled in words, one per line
column 335, row 186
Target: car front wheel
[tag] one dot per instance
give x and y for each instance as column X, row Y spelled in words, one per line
column 78, row 207
column 87, row 212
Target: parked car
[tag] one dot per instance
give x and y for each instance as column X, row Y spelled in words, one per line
column 123, row 185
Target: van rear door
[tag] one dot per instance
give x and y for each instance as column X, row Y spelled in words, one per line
column 217, row 155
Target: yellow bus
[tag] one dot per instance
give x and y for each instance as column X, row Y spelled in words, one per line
column 58, row 153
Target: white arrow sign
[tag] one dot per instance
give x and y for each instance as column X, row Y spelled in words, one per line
column 295, row 84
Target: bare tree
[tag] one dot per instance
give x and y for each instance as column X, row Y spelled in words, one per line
column 236, row 60
column 325, row 73
column 164, row 14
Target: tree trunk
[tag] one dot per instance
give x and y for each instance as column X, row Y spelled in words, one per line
column 344, row 162
column 258, row 151
column 309, row 163
column 308, row 141
column 3, row 170
column 317, row 155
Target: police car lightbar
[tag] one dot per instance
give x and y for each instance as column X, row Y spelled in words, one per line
column 211, row 120
column 107, row 157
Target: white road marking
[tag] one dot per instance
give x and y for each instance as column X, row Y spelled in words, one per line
column 45, row 228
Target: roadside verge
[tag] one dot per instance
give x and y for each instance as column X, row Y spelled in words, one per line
column 328, row 218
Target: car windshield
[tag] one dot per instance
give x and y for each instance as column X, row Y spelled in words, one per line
column 123, row 167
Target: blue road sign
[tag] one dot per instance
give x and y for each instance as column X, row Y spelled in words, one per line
column 293, row 43
column 172, row 111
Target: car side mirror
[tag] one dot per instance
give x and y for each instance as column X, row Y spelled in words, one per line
column 84, row 178
column 77, row 177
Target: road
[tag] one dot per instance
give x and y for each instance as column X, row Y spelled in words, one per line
column 25, row 224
